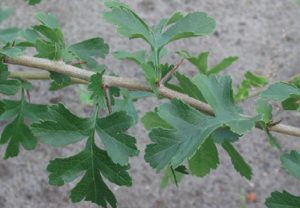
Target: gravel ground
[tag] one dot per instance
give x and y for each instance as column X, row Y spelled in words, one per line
column 265, row 34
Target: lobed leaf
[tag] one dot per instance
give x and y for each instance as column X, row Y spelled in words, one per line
column 95, row 164
column 17, row 132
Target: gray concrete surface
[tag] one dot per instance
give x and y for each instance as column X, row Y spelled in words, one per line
column 265, row 34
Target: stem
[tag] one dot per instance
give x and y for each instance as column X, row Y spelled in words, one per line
column 131, row 84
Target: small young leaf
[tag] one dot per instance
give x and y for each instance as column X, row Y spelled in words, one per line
column 96, row 88
column 59, row 81
column 282, row 200
column 250, row 80
column 238, row 162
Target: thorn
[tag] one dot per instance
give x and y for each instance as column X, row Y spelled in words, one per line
column 74, row 63
column 170, row 73
column 274, row 123
column 28, row 95
column 108, row 100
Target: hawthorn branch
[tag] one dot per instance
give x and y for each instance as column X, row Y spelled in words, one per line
column 131, row 84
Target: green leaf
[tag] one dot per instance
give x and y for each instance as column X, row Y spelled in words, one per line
column 138, row 57
column 282, row 200
column 217, row 91
column 94, row 164
column 50, row 43
column 200, row 61
column 171, row 176
column 264, row 110
column 17, row 132
column 48, row 20
column 5, row 13
column 151, row 76
column 178, row 26
column 33, row 2
column 129, row 24
column 287, row 94
column 251, row 80
column 96, row 89
column 223, row 65
column 174, row 18
column 8, row 87
column 205, row 159
column 9, row 34
column 61, row 127
column 191, row 25
column 59, row 81
column 119, row 145
column 152, row 120
column 291, row 162
column 190, row 128
column 89, row 49
column 224, row 134
column 238, row 162
column 188, row 87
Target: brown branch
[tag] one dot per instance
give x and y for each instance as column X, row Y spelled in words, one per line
column 132, row 84
column 40, row 75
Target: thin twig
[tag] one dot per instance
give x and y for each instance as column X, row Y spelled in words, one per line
column 131, row 84
column 170, row 73
column 108, row 100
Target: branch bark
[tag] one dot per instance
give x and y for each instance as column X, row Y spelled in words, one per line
column 132, row 84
